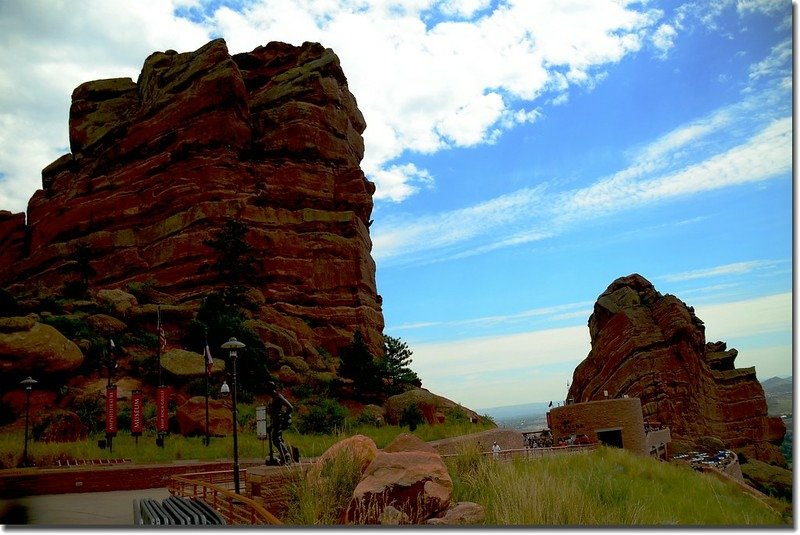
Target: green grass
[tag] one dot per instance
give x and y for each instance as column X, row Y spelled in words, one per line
column 184, row 448
column 607, row 487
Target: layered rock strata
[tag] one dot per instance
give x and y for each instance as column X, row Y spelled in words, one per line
column 271, row 138
column 653, row 347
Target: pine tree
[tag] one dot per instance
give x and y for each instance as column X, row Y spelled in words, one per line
column 358, row 364
column 396, row 362
column 235, row 263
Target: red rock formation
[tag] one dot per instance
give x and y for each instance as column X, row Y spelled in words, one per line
column 652, row 346
column 271, row 138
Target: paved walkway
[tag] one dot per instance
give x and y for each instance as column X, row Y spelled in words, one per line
column 113, row 508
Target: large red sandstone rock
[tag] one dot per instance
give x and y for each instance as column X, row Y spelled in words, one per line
column 359, row 448
column 271, row 137
column 652, row 346
column 413, row 483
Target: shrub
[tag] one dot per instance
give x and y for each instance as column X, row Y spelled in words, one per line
column 8, row 305
column 324, row 417
column 411, row 417
column 91, row 410
column 140, row 290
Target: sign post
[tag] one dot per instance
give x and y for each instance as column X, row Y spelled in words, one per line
column 111, row 414
column 136, row 414
column 162, row 414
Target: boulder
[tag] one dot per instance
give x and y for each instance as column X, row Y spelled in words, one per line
column 428, row 403
column 416, row 483
column 408, row 442
column 59, row 426
column 116, row 300
column 191, row 417
column 461, row 513
column 105, row 324
column 17, row 323
column 360, row 448
column 653, row 347
column 38, row 350
column 182, row 363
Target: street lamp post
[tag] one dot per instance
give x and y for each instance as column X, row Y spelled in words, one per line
column 232, row 345
column 28, row 384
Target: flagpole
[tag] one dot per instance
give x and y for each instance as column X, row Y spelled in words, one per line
column 158, row 332
column 208, row 373
column 161, row 401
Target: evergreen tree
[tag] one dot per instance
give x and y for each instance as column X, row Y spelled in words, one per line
column 358, row 364
column 395, row 364
column 235, row 263
column 80, row 264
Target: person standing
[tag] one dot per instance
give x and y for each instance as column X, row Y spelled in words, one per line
column 496, row 450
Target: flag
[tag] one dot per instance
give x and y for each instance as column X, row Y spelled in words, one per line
column 162, row 339
column 209, row 360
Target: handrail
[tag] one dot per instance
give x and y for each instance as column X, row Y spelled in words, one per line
column 532, row 452
column 234, row 508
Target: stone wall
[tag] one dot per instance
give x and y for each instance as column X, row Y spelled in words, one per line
column 508, row 439
column 590, row 417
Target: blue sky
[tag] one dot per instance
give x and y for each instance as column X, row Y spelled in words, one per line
column 526, row 154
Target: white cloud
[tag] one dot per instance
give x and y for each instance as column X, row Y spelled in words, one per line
column 664, row 39
column 395, row 238
column 425, row 82
column 767, row 7
column 740, row 319
column 557, row 312
column 50, row 49
column 737, row 268
column 464, row 370
column 533, row 214
column 776, row 63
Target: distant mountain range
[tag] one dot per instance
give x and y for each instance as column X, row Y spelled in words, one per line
column 778, row 391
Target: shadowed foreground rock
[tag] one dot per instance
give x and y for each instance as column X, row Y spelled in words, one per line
column 406, row 483
column 652, row 346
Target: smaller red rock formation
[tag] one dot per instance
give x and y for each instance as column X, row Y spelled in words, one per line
column 652, row 346
column 407, row 483
column 191, row 417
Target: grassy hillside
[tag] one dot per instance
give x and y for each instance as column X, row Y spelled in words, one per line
column 607, row 487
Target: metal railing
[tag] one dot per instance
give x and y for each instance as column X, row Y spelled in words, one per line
column 534, row 453
column 212, row 488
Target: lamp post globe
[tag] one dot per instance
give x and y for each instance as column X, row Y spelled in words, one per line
column 28, row 384
column 232, row 346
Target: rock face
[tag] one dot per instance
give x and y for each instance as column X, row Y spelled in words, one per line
column 652, row 346
column 271, row 138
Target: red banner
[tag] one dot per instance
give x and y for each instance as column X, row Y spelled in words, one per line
column 162, row 409
column 111, row 410
column 136, row 412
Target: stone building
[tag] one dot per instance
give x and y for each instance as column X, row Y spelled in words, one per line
column 613, row 422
